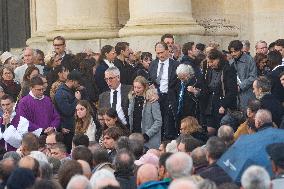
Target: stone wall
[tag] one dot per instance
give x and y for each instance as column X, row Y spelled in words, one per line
column 94, row 23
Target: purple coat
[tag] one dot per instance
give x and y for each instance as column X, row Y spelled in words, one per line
column 39, row 113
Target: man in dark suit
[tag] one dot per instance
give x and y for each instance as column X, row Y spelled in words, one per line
column 59, row 46
column 117, row 97
column 162, row 74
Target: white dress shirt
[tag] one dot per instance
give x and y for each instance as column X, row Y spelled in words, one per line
column 108, row 63
column 118, row 104
column 165, row 76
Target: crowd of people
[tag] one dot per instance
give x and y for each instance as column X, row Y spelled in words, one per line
column 123, row 119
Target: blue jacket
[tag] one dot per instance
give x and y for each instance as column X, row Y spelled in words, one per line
column 65, row 103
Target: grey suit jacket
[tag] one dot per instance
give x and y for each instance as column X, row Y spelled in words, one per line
column 151, row 122
column 104, row 99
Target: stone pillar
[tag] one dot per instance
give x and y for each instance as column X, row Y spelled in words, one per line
column 148, row 17
column 86, row 19
column 43, row 19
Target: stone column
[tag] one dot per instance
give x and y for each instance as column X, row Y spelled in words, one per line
column 156, row 17
column 43, row 19
column 86, row 19
column 212, row 15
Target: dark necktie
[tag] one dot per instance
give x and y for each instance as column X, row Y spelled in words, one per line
column 114, row 100
column 158, row 80
column 180, row 99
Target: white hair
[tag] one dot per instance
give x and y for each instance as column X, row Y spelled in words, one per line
column 184, row 69
column 183, row 183
column 179, row 165
column 100, row 175
column 79, row 181
column 263, row 116
column 39, row 156
column 114, row 70
column 255, row 177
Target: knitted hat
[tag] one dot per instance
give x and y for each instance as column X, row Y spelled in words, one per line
column 5, row 56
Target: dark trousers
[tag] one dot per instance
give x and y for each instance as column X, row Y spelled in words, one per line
column 169, row 130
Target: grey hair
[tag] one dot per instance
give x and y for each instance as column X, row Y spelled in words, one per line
column 255, row 177
column 226, row 133
column 263, row 116
column 260, row 41
column 184, row 69
column 31, row 49
column 183, row 182
column 46, row 171
column 79, row 180
column 114, row 70
column 179, row 165
column 39, row 156
column 12, row 155
column 246, row 43
column 101, row 174
column 207, row 184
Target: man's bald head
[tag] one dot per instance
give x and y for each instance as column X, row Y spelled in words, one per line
column 145, row 173
column 86, row 168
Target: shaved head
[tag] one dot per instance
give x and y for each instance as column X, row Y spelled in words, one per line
column 145, row 173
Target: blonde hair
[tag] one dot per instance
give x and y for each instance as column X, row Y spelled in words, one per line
column 191, row 124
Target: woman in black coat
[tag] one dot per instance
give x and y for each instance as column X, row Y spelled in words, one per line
column 220, row 90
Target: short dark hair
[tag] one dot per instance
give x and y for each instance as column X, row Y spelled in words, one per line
column 271, row 45
column 237, row 45
column 124, row 161
column 6, row 96
column 59, row 137
column 81, row 139
column 163, row 44
column 137, row 147
column 167, row 35
column 30, row 141
column 200, row 46
column 59, row 38
column 279, row 42
column 263, row 83
column 186, row 47
column 254, row 105
column 215, row 54
column 274, row 59
column 29, row 71
column 67, row 170
column 100, row 156
column 60, row 146
column 40, row 52
column 163, row 158
column 83, row 153
column 190, row 143
column 105, row 49
column 145, row 55
column 74, row 75
column 36, row 81
column 215, row 147
column 113, row 132
column 121, row 46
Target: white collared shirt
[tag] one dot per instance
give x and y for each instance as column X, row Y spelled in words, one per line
column 108, row 63
column 34, row 97
column 165, row 76
column 118, row 104
column 282, row 61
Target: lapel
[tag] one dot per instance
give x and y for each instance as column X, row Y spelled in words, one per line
column 171, row 69
column 108, row 99
column 124, row 96
column 155, row 68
